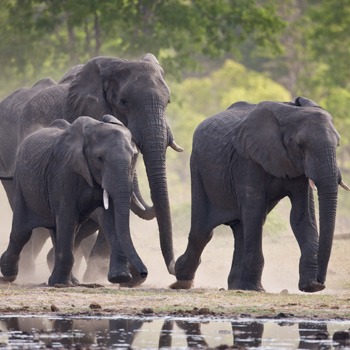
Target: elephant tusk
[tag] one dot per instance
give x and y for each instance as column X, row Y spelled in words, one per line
column 344, row 185
column 105, row 199
column 312, row 185
column 137, row 202
column 176, row 147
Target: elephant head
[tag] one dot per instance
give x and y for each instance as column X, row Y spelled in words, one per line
column 103, row 153
column 136, row 93
column 294, row 139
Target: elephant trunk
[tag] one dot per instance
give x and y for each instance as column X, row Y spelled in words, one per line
column 327, row 210
column 120, row 206
column 153, row 140
column 326, row 181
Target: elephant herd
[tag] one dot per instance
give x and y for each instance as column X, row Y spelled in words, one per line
column 68, row 152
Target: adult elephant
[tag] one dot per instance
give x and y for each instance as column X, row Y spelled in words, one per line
column 133, row 91
column 244, row 160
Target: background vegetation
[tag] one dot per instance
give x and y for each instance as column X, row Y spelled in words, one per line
column 214, row 53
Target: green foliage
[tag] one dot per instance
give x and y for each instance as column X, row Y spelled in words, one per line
column 39, row 37
column 195, row 99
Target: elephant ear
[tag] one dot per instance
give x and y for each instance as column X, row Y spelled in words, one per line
column 259, row 137
column 107, row 118
column 150, row 57
column 86, row 94
column 305, row 102
column 70, row 149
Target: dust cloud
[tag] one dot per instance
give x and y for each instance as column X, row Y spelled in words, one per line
column 281, row 254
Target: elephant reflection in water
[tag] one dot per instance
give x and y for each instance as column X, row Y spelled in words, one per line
column 123, row 332
column 312, row 335
column 247, row 334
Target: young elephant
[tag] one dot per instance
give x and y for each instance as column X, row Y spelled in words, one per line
column 62, row 174
column 244, row 160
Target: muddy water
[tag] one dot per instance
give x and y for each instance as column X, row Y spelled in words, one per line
column 175, row 333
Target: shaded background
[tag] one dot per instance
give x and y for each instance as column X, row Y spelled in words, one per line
column 214, row 54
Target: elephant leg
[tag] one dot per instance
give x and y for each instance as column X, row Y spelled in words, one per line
column 187, row 264
column 82, row 243
column 303, row 223
column 97, row 262
column 10, row 258
column 64, row 258
column 200, row 234
column 31, row 251
column 253, row 213
column 236, row 268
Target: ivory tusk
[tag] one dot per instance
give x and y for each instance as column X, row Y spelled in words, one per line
column 176, row 147
column 312, row 185
column 105, row 199
column 344, row 185
column 137, row 202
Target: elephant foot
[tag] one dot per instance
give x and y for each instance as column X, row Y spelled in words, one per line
column 7, row 278
column 312, row 287
column 136, row 280
column 119, row 277
column 252, row 287
column 9, row 266
column 74, row 280
column 61, row 281
column 182, row 284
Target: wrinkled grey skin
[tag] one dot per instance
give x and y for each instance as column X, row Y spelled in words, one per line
column 60, row 175
column 133, row 91
column 244, row 160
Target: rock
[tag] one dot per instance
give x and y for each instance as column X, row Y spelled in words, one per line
column 204, row 311
column 147, row 310
column 95, row 306
column 54, row 308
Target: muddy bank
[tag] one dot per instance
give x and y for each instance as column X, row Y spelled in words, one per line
column 110, row 300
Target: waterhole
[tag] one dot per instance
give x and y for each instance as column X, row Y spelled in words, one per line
column 170, row 333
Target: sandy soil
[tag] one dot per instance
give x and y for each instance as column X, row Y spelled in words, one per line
column 111, row 300
column 209, row 295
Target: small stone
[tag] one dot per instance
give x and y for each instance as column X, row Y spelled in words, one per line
column 95, row 306
column 284, row 315
column 147, row 310
column 54, row 308
column 284, row 291
column 204, row 311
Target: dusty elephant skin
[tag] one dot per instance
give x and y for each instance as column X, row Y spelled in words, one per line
column 135, row 92
column 244, row 161
column 62, row 174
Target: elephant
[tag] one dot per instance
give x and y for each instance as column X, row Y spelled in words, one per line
column 243, row 162
column 62, row 174
column 135, row 92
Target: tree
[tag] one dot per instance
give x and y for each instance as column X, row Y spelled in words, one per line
column 49, row 36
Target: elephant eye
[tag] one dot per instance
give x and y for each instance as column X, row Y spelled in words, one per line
column 100, row 159
column 123, row 102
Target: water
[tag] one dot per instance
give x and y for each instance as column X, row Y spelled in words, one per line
column 175, row 333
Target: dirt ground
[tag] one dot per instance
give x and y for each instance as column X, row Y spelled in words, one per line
column 209, row 295
column 112, row 300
